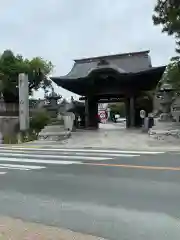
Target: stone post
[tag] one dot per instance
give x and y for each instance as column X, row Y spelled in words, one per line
column 23, row 103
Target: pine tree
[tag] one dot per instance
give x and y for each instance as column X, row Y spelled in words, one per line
column 167, row 14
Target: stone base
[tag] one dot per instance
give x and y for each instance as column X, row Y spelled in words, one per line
column 168, row 125
column 165, row 117
column 54, row 133
column 167, row 135
column 166, row 131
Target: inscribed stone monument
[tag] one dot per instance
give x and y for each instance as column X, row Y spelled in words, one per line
column 23, row 102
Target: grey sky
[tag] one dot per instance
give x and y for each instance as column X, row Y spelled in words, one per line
column 61, row 30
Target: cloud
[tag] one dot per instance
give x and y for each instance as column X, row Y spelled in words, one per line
column 61, row 30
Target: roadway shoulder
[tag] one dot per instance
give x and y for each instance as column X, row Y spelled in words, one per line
column 17, row 229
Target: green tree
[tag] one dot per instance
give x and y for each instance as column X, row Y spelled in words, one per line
column 172, row 74
column 117, row 108
column 167, row 14
column 11, row 65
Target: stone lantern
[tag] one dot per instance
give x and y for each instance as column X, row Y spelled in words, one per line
column 52, row 103
column 165, row 128
column 166, row 98
column 54, row 131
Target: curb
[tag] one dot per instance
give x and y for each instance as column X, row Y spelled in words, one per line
column 56, row 147
column 14, row 228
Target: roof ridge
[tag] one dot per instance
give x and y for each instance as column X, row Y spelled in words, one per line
column 111, row 56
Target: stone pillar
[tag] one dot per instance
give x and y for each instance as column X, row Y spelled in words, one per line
column 23, row 102
column 91, row 113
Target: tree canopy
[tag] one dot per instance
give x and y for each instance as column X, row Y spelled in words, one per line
column 172, row 74
column 117, row 108
column 167, row 14
column 11, row 65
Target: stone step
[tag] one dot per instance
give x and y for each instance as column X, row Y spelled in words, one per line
column 54, row 133
column 167, row 135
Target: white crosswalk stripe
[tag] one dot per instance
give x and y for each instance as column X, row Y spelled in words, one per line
column 27, row 159
column 20, row 167
column 85, row 150
column 80, row 155
column 54, row 156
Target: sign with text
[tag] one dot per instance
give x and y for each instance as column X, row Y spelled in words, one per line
column 142, row 114
column 23, row 102
column 103, row 115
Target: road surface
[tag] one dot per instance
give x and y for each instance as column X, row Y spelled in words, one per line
column 113, row 194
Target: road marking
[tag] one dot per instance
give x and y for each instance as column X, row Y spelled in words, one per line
column 134, row 166
column 54, row 156
column 10, row 168
column 3, row 173
column 107, row 154
column 83, row 150
column 9, row 159
column 25, row 153
column 21, row 167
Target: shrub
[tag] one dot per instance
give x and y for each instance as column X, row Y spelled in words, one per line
column 39, row 121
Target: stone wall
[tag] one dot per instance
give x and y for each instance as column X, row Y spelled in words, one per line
column 9, row 125
column 8, row 109
column 9, row 114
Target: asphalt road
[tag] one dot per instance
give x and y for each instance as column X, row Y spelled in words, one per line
column 115, row 195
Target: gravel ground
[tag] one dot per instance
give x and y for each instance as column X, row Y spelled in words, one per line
column 15, row 229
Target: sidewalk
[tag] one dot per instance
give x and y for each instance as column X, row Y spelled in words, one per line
column 118, row 139
column 15, row 229
column 109, row 136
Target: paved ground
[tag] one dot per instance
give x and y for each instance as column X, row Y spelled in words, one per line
column 113, row 194
column 16, row 229
column 113, row 135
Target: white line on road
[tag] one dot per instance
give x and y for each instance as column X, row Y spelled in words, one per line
column 54, row 156
column 10, row 168
column 21, row 167
column 9, row 159
column 105, row 154
column 1, row 173
column 97, row 157
column 82, row 150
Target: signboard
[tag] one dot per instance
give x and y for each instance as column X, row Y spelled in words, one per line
column 142, row 114
column 102, row 106
column 102, row 116
column 23, row 102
